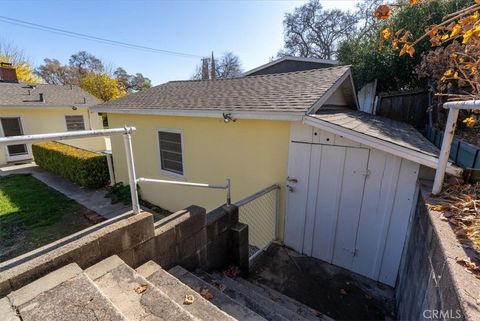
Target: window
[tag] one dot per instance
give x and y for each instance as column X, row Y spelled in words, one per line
column 75, row 122
column 171, row 157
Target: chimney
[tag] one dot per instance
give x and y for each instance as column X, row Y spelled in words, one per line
column 8, row 73
column 42, row 100
column 205, row 69
column 213, row 70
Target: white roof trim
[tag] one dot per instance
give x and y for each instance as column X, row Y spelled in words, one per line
column 204, row 113
column 303, row 59
column 391, row 148
column 319, row 103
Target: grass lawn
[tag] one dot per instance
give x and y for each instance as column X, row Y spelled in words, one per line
column 33, row 214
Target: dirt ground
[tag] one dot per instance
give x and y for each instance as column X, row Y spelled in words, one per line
column 333, row 291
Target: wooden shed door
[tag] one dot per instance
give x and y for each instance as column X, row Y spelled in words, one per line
column 324, row 201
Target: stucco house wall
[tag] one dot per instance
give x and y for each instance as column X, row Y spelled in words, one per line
column 252, row 153
column 50, row 120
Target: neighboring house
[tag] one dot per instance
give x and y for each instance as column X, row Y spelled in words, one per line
column 38, row 108
column 348, row 179
column 289, row 64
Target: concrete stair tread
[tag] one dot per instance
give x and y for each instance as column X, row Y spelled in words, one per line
column 64, row 294
column 286, row 301
column 7, row 311
column 255, row 302
column 176, row 290
column 221, row 300
column 137, row 298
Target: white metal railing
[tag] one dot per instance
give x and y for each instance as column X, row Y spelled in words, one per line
column 127, row 136
column 260, row 211
column 200, row 185
column 454, row 108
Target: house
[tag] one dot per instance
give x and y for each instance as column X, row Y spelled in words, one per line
column 348, row 179
column 289, row 64
column 39, row 108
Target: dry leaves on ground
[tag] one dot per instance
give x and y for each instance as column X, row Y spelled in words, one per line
column 460, row 206
column 232, row 271
column 206, row 294
column 141, row 288
column 188, row 299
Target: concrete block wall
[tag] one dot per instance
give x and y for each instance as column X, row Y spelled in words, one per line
column 190, row 238
column 431, row 285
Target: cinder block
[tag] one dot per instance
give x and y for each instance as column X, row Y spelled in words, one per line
column 186, row 247
column 144, row 252
column 192, row 221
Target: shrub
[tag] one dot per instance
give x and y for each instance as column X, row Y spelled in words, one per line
column 80, row 166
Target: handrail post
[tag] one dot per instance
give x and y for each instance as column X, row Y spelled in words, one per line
column 229, row 193
column 127, row 139
column 445, row 151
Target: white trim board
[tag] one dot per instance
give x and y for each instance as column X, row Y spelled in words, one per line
column 397, row 150
column 293, row 116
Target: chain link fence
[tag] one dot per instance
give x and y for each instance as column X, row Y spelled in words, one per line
column 260, row 212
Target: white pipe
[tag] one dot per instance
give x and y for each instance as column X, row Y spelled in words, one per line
column 454, row 107
column 467, row 104
column 161, row 181
column 25, row 139
column 127, row 139
column 445, row 151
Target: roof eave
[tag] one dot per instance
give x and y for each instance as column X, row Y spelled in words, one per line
column 322, row 100
column 45, row 106
column 274, row 62
column 291, row 116
column 391, row 148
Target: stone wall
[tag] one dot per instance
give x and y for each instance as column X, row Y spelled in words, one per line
column 431, row 285
column 190, row 238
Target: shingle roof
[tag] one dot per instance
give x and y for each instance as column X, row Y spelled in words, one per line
column 293, row 92
column 25, row 95
column 395, row 132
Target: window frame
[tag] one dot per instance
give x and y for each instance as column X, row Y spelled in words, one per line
column 83, row 120
column 166, row 172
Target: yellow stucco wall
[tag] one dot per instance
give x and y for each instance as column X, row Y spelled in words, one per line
column 253, row 153
column 48, row 120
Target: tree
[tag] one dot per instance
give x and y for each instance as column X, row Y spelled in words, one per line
column 372, row 61
column 13, row 55
column 101, row 86
column 131, row 83
column 83, row 63
column 311, row 31
column 227, row 66
column 53, row 72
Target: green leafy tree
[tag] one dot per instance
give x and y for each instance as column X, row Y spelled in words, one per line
column 101, row 86
column 372, row 61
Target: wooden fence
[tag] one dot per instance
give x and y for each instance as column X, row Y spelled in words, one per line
column 463, row 154
column 409, row 106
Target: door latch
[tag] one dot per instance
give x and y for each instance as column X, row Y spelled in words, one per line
column 290, row 188
column 291, row 179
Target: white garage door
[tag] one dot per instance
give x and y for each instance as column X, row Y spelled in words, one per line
column 349, row 205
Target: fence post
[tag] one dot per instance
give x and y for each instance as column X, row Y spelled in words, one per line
column 127, row 139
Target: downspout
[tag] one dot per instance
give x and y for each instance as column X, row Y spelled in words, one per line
column 454, row 108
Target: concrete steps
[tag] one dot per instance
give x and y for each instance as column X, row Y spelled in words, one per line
column 221, row 300
column 176, row 290
column 137, row 298
column 112, row 291
column 64, row 294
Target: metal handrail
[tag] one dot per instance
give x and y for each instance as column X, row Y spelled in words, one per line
column 226, row 187
column 126, row 132
column 256, row 195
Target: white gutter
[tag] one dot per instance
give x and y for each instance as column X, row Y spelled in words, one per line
column 454, row 108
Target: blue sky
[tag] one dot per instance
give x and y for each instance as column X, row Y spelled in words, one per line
column 251, row 29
